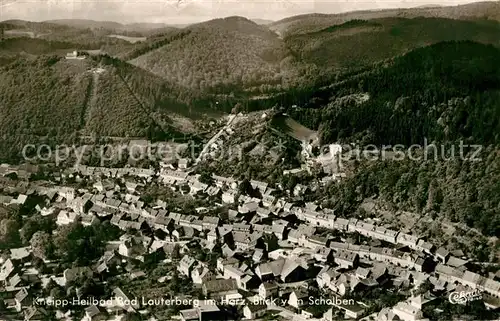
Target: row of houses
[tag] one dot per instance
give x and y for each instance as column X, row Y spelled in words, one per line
column 114, row 172
column 330, row 221
column 468, row 278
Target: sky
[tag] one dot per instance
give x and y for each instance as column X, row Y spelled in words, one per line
column 190, row 11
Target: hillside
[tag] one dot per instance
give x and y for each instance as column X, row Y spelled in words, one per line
column 132, row 29
column 12, row 48
column 81, row 38
column 358, row 43
column 221, row 55
column 447, row 94
column 302, row 24
column 49, row 99
column 237, row 60
column 235, row 57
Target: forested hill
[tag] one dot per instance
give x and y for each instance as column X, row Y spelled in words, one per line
column 359, row 43
column 301, row 24
column 51, row 99
column 234, row 58
column 218, row 56
column 447, row 93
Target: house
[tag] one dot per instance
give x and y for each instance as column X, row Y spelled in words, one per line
column 183, row 163
column 315, row 241
column 109, row 260
column 93, row 313
column 210, row 223
column 346, row 259
column 258, row 255
column 65, row 217
column 22, row 299
column 131, row 246
column 103, row 186
column 261, row 186
column 254, row 311
column 21, row 199
column 353, row 311
column 421, row 300
column 341, row 224
column 131, row 186
column 300, row 234
column 186, row 265
column 300, row 190
column 491, row 287
column 21, row 254
column 362, row 273
column 249, row 282
column 189, row 315
column 268, row 289
column 471, row 279
column 208, row 310
column 248, row 207
column 6, row 270
column 74, row 55
column 425, row 247
column 292, row 271
column 298, row 298
column 201, row 274
column 241, row 227
column 216, row 289
column 408, row 240
column 125, row 300
column 35, row 313
column 232, row 272
column 288, row 207
column 279, row 230
column 245, row 240
column 88, row 220
column 222, row 262
column 229, row 197
column 408, row 312
column 442, row 255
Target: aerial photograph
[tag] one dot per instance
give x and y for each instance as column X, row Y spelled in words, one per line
column 291, row 160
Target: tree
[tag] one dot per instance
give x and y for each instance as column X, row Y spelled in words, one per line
column 206, row 178
column 245, row 187
column 237, row 108
column 176, row 253
column 36, row 223
column 9, row 234
column 78, row 244
column 41, row 244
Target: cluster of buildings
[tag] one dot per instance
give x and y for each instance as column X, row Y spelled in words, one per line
column 271, row 255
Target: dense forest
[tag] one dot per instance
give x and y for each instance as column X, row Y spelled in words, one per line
column 220, row 56
column 359, row 43
column 446, row 94
column 53, row 100
column 442, row 92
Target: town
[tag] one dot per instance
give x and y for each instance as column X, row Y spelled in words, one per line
column 97, row 243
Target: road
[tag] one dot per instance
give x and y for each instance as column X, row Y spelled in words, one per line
column 207, row 146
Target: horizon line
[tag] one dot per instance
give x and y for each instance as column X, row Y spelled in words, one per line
column 186, row 20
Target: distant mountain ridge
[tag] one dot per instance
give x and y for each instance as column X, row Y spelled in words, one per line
column 313, row 22
column 83, row 23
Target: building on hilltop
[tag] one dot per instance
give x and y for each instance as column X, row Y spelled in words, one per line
column 75, row 55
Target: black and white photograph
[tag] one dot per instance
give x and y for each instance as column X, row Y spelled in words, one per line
column 288, row 160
